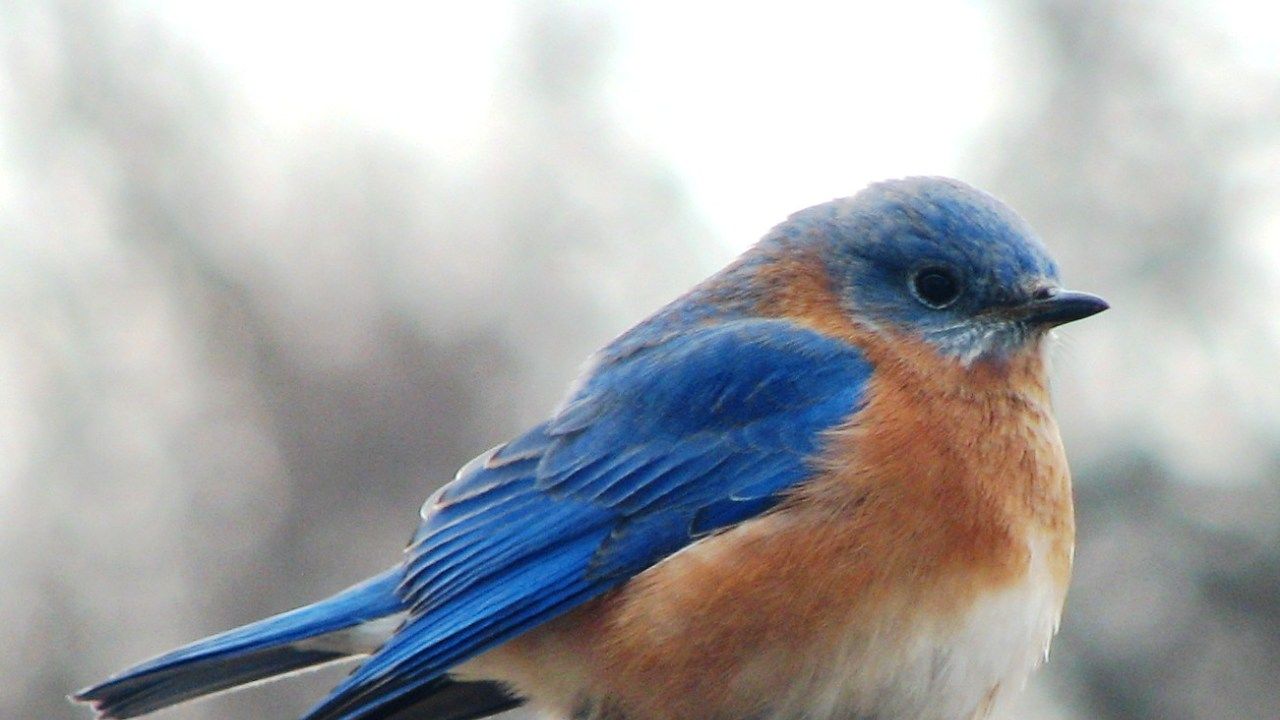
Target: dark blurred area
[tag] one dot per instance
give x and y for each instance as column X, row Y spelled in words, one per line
column 233, row 363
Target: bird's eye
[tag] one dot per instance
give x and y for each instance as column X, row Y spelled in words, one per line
column 936, row 287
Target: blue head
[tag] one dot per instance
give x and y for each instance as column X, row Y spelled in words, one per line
column 936, row 259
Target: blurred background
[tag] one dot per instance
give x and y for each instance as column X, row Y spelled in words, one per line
column 269, row 272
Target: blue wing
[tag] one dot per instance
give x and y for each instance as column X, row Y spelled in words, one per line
column 665, row 442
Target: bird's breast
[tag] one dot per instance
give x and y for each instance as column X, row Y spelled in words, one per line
column 924, row 664
column 951, row 497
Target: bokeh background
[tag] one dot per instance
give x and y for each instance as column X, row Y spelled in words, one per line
column 270, row 272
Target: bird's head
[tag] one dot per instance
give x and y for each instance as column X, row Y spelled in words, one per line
column 935, row 259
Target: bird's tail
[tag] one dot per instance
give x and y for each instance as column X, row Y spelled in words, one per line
column 353, row 622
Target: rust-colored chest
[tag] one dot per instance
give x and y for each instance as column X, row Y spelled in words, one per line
column 951, row 464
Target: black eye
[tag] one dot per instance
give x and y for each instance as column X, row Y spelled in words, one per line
column 936, row 287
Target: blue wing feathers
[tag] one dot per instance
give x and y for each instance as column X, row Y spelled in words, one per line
column 459, row 579
column 528, row 596
column 664, row 443
column 259, row 650
column 633, row 544
column 663, row 484
column 531, row 445
column 589, row 483
column 475, row 484
column 723, row 513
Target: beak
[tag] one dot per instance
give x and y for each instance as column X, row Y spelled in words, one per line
column 1056, row 307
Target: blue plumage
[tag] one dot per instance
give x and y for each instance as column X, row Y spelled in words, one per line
column 907, row 226
column 259, row 650
column 665, row 441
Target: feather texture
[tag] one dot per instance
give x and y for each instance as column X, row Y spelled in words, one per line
column 662, row 444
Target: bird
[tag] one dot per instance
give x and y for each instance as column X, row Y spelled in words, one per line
column 826, row 483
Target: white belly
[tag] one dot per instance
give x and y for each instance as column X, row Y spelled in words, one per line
column 951, row 671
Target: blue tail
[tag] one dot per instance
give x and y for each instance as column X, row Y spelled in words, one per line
column 302, row 638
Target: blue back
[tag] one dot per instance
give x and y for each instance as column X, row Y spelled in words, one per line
column 671, row 437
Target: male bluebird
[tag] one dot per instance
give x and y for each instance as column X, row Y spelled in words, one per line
column 825, row 484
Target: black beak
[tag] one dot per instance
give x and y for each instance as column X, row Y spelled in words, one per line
column 1056, row 307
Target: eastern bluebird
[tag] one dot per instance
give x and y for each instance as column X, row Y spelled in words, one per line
column 825, row 484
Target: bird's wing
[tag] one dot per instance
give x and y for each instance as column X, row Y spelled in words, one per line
column 661, row 445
